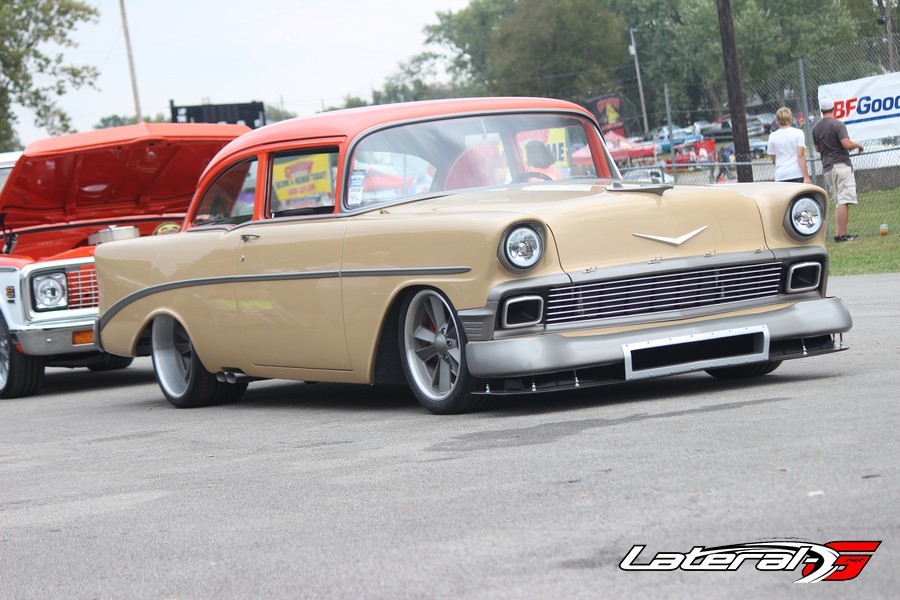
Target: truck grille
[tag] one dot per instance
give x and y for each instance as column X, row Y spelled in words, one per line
column 83, row 292
column 646, row 294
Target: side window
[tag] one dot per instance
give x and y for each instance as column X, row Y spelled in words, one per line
column 230, row 198
column 381, row 176
column 302, row 183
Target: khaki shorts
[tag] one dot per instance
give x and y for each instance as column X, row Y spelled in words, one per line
column 841, row 184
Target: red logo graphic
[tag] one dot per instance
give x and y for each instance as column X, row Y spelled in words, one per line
column 834, row 561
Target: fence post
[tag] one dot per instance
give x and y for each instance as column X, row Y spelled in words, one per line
column 671, row 138
column 806, row 130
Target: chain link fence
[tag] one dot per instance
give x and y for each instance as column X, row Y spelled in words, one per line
column 796, row 86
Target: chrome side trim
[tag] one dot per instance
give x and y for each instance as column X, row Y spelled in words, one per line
column 189, row 283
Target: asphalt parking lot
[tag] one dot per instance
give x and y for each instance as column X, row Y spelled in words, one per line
column 333, row 491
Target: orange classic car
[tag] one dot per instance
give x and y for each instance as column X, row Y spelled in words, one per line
column 417, row 243
column 63, row 197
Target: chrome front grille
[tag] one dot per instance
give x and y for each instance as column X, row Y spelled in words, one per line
column 647, row 294
column 83, row 291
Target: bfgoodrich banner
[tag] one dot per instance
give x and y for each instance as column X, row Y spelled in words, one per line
column 869, row 107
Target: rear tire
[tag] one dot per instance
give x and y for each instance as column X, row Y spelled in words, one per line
column 745, row 371
column 432, row 350
column 110, row 362
column 183, row 379
column 20, row 374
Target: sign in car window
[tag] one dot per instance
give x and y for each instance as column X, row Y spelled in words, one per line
column 303, row 181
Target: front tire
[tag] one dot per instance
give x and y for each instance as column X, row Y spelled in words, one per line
column 745, row 371
column 183, row 379
column 20, row 374
column 432, row 350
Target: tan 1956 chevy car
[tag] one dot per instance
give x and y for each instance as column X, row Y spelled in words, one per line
column 468, row 248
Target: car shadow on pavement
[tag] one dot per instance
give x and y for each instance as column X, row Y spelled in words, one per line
column 62, row 381
column 336, row 396
column 680, row 386
column 346, row 397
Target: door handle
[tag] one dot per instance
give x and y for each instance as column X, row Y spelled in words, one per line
column 246, row 237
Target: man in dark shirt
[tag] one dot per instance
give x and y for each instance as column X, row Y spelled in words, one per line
column 833, row 143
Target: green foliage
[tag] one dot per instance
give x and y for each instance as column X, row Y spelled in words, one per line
column 277, row 113
column 679, row 40
column 555, row 49
column 417, row 79
column 349, row 102
column 32, row 76
column 119, row 120
column 468, row 36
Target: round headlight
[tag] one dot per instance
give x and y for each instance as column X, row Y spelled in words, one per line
column 523, row 247
column 805, row 217
column 50, row 291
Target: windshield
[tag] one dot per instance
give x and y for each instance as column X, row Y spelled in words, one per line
column 472, row 152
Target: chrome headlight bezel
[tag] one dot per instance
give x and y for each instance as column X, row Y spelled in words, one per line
column 530, row 240
column 43, row 287
column 804, row 218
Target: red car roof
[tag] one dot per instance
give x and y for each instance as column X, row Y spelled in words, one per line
column 353, row 121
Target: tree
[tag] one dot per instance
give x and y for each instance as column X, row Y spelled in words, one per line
column 31, row 76
column 555, row 49
column 467, row 35
column 119, row 120
column 277, row 113
column 679, row 43
column 416, row 79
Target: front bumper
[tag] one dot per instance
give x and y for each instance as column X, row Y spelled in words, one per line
column 552, row 353
column 56, row 337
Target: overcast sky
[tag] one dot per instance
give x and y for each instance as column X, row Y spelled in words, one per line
column 305, row 54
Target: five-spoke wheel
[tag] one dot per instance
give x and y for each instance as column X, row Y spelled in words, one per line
column 432, row 347
column 182, row 377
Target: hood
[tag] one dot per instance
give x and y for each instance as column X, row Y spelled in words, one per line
column 144, row 169
column 594, row 227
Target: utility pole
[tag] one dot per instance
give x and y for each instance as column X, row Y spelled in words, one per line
column 134, row 89
column 637, row 69
column 735, row 91
column 888, row 23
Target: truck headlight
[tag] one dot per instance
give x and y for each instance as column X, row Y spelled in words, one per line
column 49, row 291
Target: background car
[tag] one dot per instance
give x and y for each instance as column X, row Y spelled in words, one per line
column 64, row 197
column 767, row 120
column 648, row 174
column 680, row 137
column 7, row 162
column 759, row 148
column 721, row 128
column 499, row 279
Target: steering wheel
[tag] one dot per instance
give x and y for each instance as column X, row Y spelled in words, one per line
column 535, row 175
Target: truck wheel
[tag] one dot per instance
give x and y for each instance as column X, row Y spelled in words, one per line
column 182, row 377
column 20, row 375
column 109, row 362
column 432, row 350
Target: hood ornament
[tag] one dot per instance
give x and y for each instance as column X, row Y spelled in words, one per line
column 671, row 241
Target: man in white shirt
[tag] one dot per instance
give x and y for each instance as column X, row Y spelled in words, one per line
column 787, row 147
